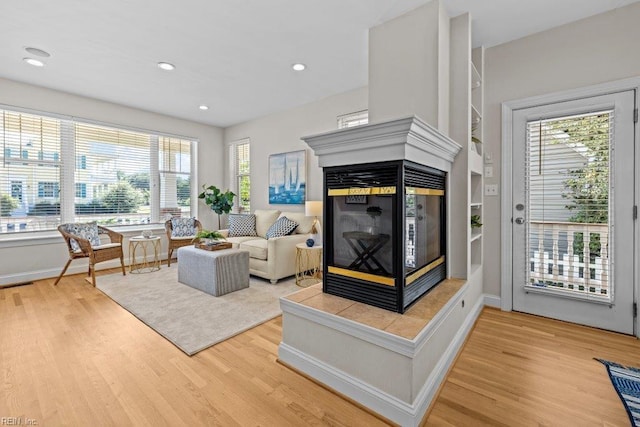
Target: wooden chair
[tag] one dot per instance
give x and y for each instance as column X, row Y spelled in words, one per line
column 95, row 253
column 178, row 242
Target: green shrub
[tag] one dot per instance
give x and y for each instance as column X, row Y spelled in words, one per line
column 122, row 198
column 7, row 204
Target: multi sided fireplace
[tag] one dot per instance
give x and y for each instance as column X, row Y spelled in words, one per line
column 385, row 232
column 385, row 210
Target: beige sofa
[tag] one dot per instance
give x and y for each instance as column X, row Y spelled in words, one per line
column 272, row 259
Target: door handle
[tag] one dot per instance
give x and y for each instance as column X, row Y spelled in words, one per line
column 519, row 220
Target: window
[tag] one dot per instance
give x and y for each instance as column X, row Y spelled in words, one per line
column 108, row 174
column 175, row 177
column 119, row 161
column 29, row 187
column 48, row 189
column 81, row 190
column 240, row 174
column 16, row 190
column 81, row 162
column 353, row 119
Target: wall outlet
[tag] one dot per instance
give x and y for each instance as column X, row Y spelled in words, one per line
column 488, row 171
column 491, row 190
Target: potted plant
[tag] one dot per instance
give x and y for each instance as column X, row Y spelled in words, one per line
column 208, row 236
column 219, row 202
column 475, row 221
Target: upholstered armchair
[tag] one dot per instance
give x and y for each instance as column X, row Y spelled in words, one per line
column 180, row 232
column 83, row 241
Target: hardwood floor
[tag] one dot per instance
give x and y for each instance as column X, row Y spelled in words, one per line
column 69, row 355
column 521, row 370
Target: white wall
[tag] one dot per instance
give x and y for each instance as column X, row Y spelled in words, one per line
column 595, row 50
column 281, row 132
column 408, row 67
column 44, row 258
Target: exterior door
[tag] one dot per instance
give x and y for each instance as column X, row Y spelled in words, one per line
column 573, row 211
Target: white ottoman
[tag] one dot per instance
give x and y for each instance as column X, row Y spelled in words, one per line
column 214, row 272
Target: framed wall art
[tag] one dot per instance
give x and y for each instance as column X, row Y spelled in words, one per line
column 287, row 178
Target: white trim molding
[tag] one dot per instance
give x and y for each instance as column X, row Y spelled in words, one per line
column 408, row 138
column 421, row 364
column 492, row 301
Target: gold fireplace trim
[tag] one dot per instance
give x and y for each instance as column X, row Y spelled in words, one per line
column 424, row 270
column 388, row 281
column 424, row 191
column 361, row 191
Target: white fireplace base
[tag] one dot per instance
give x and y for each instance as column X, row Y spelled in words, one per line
column 393, row 376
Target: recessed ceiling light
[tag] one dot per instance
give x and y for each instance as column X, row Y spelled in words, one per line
column 203, row 107
column 34, row 62
column 166, row 66
column 298, row 67
column 37, row 52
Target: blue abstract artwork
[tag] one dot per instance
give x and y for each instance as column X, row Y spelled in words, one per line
column 287, row 178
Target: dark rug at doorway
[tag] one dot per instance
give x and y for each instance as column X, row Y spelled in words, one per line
column 626, row 381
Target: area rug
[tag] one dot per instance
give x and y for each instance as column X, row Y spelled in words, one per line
column 191, row 319
column 626, row 381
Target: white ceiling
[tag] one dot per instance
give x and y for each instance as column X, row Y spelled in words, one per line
column 233, row 55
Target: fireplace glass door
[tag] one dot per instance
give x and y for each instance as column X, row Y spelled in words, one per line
column 424, row 234
column 362, row 230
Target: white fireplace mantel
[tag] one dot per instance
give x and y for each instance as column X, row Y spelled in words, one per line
column 408, row 138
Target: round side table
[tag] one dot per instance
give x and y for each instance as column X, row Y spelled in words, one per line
column 308, row 265
column 144, row 245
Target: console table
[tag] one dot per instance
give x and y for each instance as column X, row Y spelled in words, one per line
column 366, row 245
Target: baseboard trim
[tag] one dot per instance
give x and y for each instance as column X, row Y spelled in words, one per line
column 373, row 398
column 77, row 267
column 492, row 300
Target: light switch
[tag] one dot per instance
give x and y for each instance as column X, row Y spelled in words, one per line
column 488, row 157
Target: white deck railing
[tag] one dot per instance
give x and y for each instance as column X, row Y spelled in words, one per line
column 553, row 262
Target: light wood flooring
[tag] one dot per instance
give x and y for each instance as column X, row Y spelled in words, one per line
column 69, row 355
column 521, row 370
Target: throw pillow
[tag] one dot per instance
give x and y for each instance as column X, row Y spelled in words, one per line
column 183, row 227
column 264, row 220
column 305, row 223
column 282, row 227
column 86, row 230
column 242, row 225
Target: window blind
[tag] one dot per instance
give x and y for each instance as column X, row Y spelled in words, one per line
column 111, row 175
column 353, row 119
column 240, row 161
column 569, row 191
column 55, row 169
column 175, row 177
column 29, row 172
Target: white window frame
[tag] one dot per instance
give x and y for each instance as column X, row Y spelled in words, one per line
column 349, row 120
column 234, row 182
column 67, row 161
